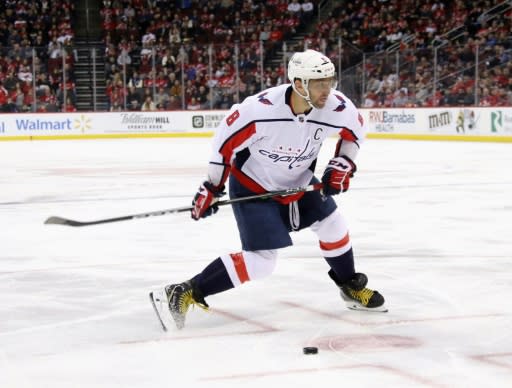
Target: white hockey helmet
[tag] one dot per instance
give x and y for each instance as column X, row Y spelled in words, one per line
column 307, row 65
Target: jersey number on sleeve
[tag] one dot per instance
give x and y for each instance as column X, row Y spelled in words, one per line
column 232, row 117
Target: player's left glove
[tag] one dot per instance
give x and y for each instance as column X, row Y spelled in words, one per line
column 204, row 200
column 337, row 174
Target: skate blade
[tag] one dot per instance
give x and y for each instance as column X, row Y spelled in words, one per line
column 358, row 307
column 156, row 302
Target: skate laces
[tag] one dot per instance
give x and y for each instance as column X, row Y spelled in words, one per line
column 363, row 296
column 186, row 299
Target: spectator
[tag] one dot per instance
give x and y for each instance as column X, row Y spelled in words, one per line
column 15, row 52
column 265, row 33
column 48, row 99
column 485, row 98
column 148, row 104
column 54, row 49
column 148, row 38
column 168, row 60
column 450, row 98
column 174, row 36
column 370, row 100
column 176, row 89
column 67, row 88
column 28, row 94
column 136, row 80
column 193, row 104
column 41, row 108
column 24, row 74
column 9, row 106
column 161, row 98
column 17, row 96
column 203, row 97
column 116, row 107
column 10, row 80
column 129, row 12
column 134, row 98
column 69, row 106
column 174, row 103
column 400, row 99
column 124, row 59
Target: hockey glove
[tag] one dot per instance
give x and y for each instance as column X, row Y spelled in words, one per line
column 204, row 200
column 337, row 175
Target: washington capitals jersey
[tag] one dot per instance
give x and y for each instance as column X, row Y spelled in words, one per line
column 268, row 147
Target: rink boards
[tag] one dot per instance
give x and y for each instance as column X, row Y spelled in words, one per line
column 462, row 123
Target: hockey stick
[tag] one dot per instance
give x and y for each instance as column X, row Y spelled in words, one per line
column 65, row 221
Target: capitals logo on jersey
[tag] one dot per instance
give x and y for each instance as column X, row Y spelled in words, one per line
column 263, row 100
column 342, row 105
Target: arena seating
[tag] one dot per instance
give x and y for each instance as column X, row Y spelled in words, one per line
column 221, row 46
column 37, row 40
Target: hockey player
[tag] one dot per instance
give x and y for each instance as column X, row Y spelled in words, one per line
column 271, row 142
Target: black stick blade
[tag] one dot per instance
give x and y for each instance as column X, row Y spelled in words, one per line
column 62, row 221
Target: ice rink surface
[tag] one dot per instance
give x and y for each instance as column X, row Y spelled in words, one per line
column 431, row 224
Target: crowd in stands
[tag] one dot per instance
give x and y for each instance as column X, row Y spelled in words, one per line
column 202, row 54
column 36, row 55
column 374, row 26
column 148, row 41
column 172, row 33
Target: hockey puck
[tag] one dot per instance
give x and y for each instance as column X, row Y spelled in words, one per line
column 310, row 350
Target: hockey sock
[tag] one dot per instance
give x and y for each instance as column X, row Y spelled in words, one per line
column 213, row 279
column 342, row 266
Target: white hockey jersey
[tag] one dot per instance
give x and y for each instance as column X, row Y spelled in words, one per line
column 268, row 147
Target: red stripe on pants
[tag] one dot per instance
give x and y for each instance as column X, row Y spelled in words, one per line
column 240, row 268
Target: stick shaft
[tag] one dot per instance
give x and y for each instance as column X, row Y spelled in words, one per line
column 64, row 221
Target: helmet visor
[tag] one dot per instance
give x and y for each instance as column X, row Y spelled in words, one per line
column 322, row 84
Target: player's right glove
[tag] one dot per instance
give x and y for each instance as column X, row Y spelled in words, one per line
column 337, row 174
column 204, row 200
